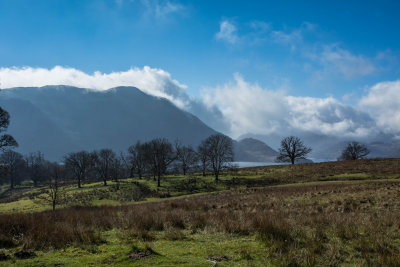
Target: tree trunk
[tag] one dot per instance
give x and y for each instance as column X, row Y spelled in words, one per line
column 216, row 176
column 105, row 182
column 117, row 184
column 159, row 180
column 79, row 183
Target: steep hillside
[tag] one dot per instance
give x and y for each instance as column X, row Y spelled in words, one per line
column 61, row 119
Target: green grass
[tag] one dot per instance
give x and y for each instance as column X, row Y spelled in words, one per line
column 193, row 250
column 339, row 214
column 336, row 223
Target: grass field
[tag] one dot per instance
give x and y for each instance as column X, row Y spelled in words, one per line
column 336, row 214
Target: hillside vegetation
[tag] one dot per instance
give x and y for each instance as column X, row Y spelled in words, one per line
column 335, row 213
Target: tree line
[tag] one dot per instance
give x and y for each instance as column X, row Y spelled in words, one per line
column 152, row 159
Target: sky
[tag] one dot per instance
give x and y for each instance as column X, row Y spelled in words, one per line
column 261, row 67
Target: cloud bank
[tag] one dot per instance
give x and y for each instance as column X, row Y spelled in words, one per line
column 156, row 82
column 383, row 103
column 248, row 108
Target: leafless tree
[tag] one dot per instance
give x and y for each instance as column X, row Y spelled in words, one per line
column 79, row 164
column 36, row 167
column 202, row 155
column 160, row 155
column 292, row 149
column 103, row 161
column 15, row 164
column 56, row 194
column 117, row 170
column 220, row 152
column 6, row 140
column 136, row 157
column 353, row 151
column 151, row 170
column 186, row 157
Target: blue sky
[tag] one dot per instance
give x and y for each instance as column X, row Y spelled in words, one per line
column 319, row 49
column 181, row 38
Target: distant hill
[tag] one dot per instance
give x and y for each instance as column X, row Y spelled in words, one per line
column 61, row 119
column 253, row 150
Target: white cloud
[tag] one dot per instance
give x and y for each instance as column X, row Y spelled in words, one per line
column 293, row 38
column 167, row 8
column 227, row 32
column 383, row 103
column 328, row 116
column 248, row 108
column 345, row 62
column 156, row 82
column 161, row 8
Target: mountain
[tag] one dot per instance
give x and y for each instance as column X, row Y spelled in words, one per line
column 253, row 150
column 61, row 119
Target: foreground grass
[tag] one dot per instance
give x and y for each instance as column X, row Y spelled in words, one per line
column 191, row 249
column 332, row 223
column 336, row 214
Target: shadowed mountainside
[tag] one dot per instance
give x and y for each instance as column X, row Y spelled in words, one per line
column 61, row 119
column 250, row 149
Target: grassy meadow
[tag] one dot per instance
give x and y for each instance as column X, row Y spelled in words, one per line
column 322, row 214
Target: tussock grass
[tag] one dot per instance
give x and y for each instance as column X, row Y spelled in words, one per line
column 301, row 225
column 310, row 222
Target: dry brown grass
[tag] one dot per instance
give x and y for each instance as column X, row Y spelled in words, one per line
column 306, row 224
column 326, row 224
column 328, row 171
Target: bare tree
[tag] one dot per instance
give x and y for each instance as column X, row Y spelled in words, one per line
column 56, row 194
column 136, row 157
column 36, row 167
column 220, row 152
column 149, row 160
column 15, row 164
column 292, row 149
column 117, row 170
column 80, row 164
column 160, row 155
column 202, row 155
column 103, row 161
column 353, row 151
column 6, row 140
column 186, row 156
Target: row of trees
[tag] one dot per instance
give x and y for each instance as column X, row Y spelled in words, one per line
column 154, row 158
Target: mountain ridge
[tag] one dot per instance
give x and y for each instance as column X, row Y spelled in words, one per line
column 78, row 118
